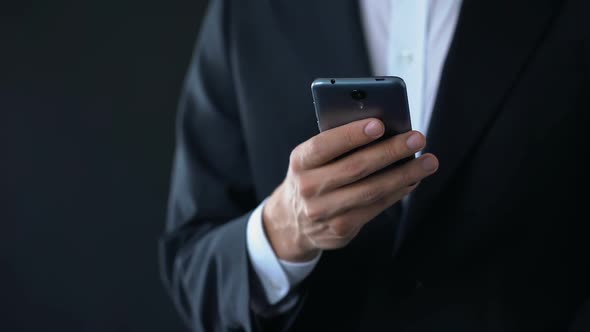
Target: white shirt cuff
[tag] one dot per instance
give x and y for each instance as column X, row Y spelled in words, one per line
column 276, row 276
column 297, row 271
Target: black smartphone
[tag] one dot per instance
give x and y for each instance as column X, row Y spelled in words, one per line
column 339, row 101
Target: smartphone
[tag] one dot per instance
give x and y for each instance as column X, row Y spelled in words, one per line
column 339, row 101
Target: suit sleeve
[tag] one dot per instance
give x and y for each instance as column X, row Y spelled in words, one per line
column 203, row 253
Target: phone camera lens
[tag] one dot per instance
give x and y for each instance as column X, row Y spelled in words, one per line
column 358, row 94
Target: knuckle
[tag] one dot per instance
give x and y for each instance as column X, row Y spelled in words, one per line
column 355, row 169
column 393, row 151
column 413, row 174
column 305, row 153
column 372, row 195
column 341, row 228
column 295, row 159
column 349, row 138
column 313, row 212
column 406, row 176
column 306, row 187
column 313, row 147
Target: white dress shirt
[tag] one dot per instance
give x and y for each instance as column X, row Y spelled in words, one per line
column 405, row 38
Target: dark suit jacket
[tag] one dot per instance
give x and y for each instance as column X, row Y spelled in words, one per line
column 492, row 242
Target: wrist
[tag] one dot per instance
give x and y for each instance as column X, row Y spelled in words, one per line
column 283, row 236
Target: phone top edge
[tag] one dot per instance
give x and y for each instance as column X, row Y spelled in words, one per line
column 323, row 81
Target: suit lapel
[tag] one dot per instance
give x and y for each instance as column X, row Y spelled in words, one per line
column 326, row 36
column 493, row 42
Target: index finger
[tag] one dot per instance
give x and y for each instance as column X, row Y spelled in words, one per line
column 330, row 144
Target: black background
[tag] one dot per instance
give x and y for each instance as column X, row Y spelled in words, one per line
column 88, row 92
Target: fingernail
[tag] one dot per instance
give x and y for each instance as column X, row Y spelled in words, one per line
column 429, row 164
column 415, row 142
column 373, row 129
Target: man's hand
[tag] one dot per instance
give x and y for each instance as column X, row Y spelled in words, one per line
column 325, row 200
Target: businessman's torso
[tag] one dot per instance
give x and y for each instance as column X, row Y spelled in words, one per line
column 491, row 240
